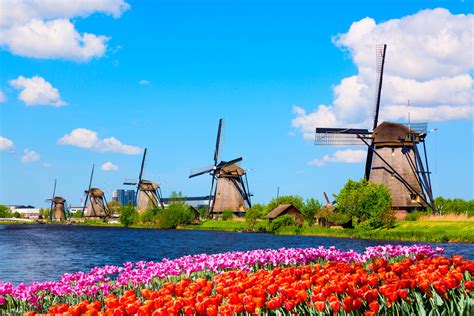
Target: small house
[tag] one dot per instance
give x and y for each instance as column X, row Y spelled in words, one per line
column 286, row 209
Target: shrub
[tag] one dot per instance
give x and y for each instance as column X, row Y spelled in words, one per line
column 177, row 213
column 367, row 204
column 227, row 214
column 128, row 215
column 309, row 210
column 150, row 216
column 17, row 215
column 254, row 213
column 5, row 212
column 281, row 221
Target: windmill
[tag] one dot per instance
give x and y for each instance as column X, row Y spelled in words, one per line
column 232, row 190
column 97, row 203
column 148, row 194
column 393, row 156
column 57, row 211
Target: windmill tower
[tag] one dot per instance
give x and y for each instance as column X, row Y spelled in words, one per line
column 231, row 191
column 57, row 211
column 97, row 206
column 393, row 156
column 148, row 193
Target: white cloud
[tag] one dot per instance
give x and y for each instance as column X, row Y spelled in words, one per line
column 42, row 28
column 108, row 166
column 30, row 156
column 46, row 165
column 428, row 61
column 5, row 144
column 37, row 91
column 144, row 82
column 3, row 97
column 85, row 138
column 341, row 156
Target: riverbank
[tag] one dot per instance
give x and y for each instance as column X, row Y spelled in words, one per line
column 424, row 231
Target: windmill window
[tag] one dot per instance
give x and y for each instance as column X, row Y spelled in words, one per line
column 414, row 197
column 392, row 175
column 393, row 153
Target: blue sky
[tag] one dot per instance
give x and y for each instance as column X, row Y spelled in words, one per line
column 170, row 69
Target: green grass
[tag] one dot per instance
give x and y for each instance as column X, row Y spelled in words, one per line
column 403, row 230
column 435, row 231
column 218, row 225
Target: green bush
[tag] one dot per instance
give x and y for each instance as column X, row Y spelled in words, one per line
column 5, row 212
column 309, row 210
column 227, row 214
column 257, row 211
column 128, row 215
column 296, row 201
column 281, row 221
column 367, row 204
column 177, row 213
column 17, row 215
column 150, row 216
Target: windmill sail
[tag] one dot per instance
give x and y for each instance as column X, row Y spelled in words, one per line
column 380, row 60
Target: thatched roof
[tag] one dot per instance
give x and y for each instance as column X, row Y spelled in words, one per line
column 389, row 133
column 280, row 209
column 231, row 171
column 59, row 200
column 147, row 185
column 96, row 192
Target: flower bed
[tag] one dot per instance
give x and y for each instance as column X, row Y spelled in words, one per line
column 305, row 281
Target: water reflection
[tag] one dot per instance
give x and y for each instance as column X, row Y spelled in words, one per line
column 45, row 252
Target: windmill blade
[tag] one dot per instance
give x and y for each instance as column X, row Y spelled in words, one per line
column 327, row 198
column 230, row 162
column 218, row 143
column 200, row 171
column 340, row 136
column 130, row 181
column 88, row 190
column 140, row 176
column 380, row 61
column 143, row 165
column 52, row 202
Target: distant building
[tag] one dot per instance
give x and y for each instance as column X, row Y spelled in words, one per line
column 196, row 202
column 124, row 197
column 26, row 211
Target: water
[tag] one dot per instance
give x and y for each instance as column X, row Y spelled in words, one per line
column 45, row 252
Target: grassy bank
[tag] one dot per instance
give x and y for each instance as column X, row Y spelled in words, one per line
column 428, row 231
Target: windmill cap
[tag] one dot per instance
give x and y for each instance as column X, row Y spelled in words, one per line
column 96, row 192
column 58, row 199
column 389, row 133
column 147, row 185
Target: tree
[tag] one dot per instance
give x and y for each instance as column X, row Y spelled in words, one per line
column 177, row 213
column 44, row 212
column 296, row 201
column 5, row 212
column 128, row 215
column 254, row 213
column 114, row 207
column 309, row 210
column 367, row 204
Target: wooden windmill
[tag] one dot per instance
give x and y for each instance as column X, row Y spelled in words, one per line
column 231, row 191
column 97, row 206
column 393, row 156
column 57, row 211
column 148, row 194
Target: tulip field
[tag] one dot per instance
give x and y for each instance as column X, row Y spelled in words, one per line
column 383, row 280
